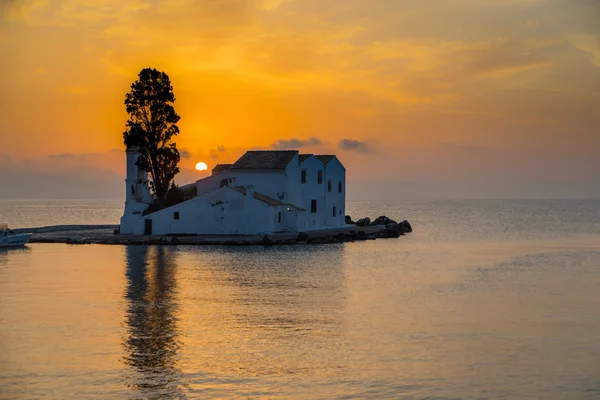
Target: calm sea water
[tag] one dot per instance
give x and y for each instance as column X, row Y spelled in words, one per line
column 484, row 300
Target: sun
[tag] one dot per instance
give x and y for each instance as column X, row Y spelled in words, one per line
column 201, row 166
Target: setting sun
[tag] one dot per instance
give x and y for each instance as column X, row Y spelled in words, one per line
column 201, row 166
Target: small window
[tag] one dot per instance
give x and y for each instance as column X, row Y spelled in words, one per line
column 303, row 176
column 340, row 186
column 329, row 185
column 279, row 217
column 176, row 215
column 313, row 206
column 334, row 214
column 320, row 177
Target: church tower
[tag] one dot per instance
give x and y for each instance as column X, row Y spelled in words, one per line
column 137, row 191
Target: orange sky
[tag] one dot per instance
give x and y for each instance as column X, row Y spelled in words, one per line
column 432, row 98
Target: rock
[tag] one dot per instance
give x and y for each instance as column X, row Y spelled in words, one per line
column 349, row 221
column 391, row 233
column 266, row 241
column 353, row 235
column 363, row 221
column 362, row 235
column 321, row 240
column 396, row 227
column 289, row 242
column 302, row 237
column 371, row 237
column 383, row 220
column 407, row 226
column 342, row 237
column 175, row 240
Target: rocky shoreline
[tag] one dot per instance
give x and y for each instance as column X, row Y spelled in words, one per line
column 364, row 229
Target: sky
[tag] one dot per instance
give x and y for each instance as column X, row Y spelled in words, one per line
column 418, row 98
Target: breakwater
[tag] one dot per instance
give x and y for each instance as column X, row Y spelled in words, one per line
column 363, row 229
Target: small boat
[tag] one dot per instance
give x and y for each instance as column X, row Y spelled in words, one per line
column 10, row 239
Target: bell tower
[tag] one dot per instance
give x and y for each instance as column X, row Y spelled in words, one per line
column 136, row 181
column 137, row 191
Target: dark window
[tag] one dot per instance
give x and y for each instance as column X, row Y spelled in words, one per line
column 279, row 217
column 147, row 227
column 320, row 177
column 176, row 215
column 303, row 176
column 329, row 185
column 340, row 186
column 334, row 211
column 313, row 206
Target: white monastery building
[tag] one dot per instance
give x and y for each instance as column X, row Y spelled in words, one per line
column 264, row 191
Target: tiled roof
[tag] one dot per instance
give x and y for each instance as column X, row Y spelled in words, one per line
column 325, row 158
column 222, row 167
column 303, row 157
column 265, row 159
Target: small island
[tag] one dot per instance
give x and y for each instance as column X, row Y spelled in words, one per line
column 265, row 197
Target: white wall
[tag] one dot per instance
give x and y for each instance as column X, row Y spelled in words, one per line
column 209, row 183
column 312, row 190
column 137, row 192
column 223, row 211
column 270, row 183
column 335, row 171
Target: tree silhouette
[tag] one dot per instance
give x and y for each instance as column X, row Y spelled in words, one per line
column 152, row 124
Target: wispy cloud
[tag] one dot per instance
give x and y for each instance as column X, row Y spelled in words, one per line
column 185, row 153
column 294, row 143
column 354, row 145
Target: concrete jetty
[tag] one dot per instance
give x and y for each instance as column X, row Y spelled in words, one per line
column 107, row 234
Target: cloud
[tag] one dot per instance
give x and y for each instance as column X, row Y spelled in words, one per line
column 354, row 145
column 86, row 183
column 494, row 73
column 62, row 156
column 185, row 153
column 294, row 143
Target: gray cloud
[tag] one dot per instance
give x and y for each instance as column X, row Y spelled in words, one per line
column 94, row 183
column 72, row 156
column 62, row 156
column 354, row 145
column 185, row 153
column 294, row 143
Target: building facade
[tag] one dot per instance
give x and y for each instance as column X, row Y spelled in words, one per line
column 263, row 192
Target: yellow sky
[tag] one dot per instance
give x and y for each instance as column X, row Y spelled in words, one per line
column 409, row 91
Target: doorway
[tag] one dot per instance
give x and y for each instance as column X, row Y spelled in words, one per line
column 147, row 227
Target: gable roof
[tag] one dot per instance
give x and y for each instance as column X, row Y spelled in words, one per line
column 222, row 167
column 325, row 158
column 265, row 159
column 303, row 157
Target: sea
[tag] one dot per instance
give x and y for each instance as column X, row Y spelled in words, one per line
column 485, row 299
